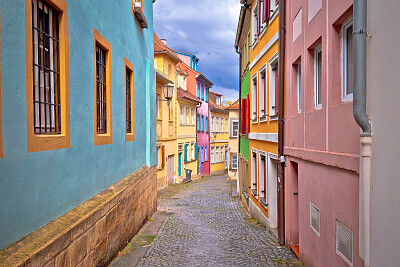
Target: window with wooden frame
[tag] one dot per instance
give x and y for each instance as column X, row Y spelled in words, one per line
column 347, row 58
column 129, row 101
column 102, row 89
column 47, row 75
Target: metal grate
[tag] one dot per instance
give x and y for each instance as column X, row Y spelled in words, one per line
column 344, row 242
column 101, row 93
column 128, row 102
column 46, row 69
column 315, row 218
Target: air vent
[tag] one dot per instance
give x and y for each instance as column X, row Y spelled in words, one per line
column 315, row 218
column 344, row 243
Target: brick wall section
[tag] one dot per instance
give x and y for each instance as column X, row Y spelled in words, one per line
column 94, row 232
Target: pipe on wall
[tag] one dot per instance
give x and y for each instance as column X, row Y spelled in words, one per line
column 281, row 118
column 361, row 117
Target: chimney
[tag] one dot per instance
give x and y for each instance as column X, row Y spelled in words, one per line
column 164, row 41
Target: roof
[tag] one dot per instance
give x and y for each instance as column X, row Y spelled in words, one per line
column 215, row 93
column 162, row 78
column 204, row 79
column 185, row 95
column 217, row 108
column 185, row 53
column 161, row 48
column 234, row 105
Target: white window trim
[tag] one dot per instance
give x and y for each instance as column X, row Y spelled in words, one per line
column 264, row 154
column 319, row 212
column 253, row 150
column 345, row 97
column 254, row 36
column 274, row 13
column 272, row 61
column 233, row 121
column 298, row 87
column 317, row 50
column 233, row 161
column 254, row 118
column 263, row 118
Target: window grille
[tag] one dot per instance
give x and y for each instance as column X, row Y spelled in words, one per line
column 101, row 94
column 315, row 218
column 128, row 102
column 344, row 242
column 46, row 68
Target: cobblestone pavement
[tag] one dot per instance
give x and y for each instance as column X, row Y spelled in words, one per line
column 207, row 226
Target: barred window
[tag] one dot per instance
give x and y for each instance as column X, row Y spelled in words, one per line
column 101, row 96
column 128, row 101
column 46, row 68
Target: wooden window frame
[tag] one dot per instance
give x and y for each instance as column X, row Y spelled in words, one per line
column 44, row 141
column 130, row 136
column 102, row 138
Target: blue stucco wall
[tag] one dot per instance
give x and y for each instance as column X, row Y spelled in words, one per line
column 38, row 187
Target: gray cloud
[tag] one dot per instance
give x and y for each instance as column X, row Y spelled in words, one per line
column 210, row 22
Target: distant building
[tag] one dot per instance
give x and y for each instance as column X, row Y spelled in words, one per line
column 219, row 134
column 233, row 135
column 78, row 135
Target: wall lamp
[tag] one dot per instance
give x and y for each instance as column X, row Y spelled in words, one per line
column 168, row 91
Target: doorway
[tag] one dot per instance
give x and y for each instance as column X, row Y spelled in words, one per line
column 273, row 190
column 170, row 174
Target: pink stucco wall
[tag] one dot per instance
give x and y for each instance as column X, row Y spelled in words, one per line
column 324, row 143
column 203, row 139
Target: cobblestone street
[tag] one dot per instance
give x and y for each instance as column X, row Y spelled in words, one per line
column 205, row 225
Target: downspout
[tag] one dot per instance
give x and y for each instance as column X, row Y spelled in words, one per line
column 281, row 109
column 361, row 117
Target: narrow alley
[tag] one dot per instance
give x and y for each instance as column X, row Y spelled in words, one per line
column 205, row 225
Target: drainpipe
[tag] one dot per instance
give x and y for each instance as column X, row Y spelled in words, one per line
column 361, row 117
column 281, row 109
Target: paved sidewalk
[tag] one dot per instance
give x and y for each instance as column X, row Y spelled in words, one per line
column 202, row 224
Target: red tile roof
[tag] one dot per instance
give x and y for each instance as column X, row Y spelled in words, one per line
column 234, row 105
column 160, row 47
column 182, row 94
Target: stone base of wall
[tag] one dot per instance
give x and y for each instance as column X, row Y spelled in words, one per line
column 94, row 232
column 257, row 214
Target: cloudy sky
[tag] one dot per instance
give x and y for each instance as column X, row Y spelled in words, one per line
column 209, row 22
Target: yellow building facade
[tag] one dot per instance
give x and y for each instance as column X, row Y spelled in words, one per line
column 186, row 130
column 263, row 135
column 219, row 134
column 165, row 62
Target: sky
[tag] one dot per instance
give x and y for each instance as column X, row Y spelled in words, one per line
column 209, row 22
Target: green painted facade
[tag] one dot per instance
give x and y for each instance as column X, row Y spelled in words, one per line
column 244, row 142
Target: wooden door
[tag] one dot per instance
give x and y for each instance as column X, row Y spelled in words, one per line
column 170, row 169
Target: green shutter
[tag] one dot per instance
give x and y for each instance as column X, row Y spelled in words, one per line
column 186, row 146
column 196, row 151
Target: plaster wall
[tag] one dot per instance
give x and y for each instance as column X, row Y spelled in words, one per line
column 383, row 98
column 38, row 187
column 191, row 81
column 203, row 139
column 324, row 142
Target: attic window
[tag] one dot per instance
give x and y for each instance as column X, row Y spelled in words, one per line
column 138, row 13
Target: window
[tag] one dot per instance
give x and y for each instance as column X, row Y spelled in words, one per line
column 198, row 90
column 202, row 91
column 222, row 125
column 198, row 122
column 273, row 85
column 158, row 109
column 245, row 116
column 222, row 154
column 102, row 89
column 181, row 115
column 262, row 172
column 206, row 94
column 47, row 80
column 262, row 93
column 254, row 23
column 187, row 116
column 158, row 157
column 192, row 116
column 177, row 79
column 347, row 94
column 169, row 71
column 129, row 102
column 254, row 98
column 206, row 124
column 212, row 124
column 299, row 88
column 185, row 153
column 318, row 77
column 235, row 128
column 253, row 177
column 202, row 154
column 217, row 154
column 193, row 151
column 234, row 161
column 217, row 124
column 212, row 154
column 206, row 153
column 184, row 83
column 315, row 218
column 226, row 125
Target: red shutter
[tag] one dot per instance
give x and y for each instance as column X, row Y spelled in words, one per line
column 248, row 114
column 276, row 88
column 268, row 10
column 258, row 16
column 264, row 14
column 242, row 114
